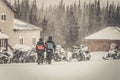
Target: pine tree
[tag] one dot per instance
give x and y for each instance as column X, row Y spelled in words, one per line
column 17, row 7
column 34, row 14
column 111, row 14
column 98, row 20
column 79, row 17
column 44, row 25
column 25, row 10
column 117, row 15
column 84, row 22
column 105, row 19
column 73, row 28
column 98, row 12
column 91, row 18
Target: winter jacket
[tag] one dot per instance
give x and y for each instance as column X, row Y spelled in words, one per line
column 40, row 43
column 50, row 41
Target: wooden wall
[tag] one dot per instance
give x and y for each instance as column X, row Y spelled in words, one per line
column 101, row 45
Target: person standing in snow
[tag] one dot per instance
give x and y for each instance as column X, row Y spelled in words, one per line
column 40, row 49
column 50, row 48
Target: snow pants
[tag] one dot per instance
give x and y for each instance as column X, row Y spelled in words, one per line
column 40, row 57
column 49, row 56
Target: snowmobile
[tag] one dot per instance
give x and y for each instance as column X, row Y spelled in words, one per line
column 18, row 56
column 4, row 57
column 29, row 56
column 59, row 55
column 87, row 55
column 80, row 55
column 56, row 57
column 84, row 50
column 112, row 54
column 76, row 53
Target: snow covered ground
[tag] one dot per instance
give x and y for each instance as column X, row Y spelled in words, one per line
column 89, row 70
column 98, row 56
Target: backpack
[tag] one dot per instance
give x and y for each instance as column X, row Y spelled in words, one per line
column 50, row 46
column 41, row 47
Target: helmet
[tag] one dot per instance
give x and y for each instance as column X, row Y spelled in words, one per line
column 41, row 39
column 50, row 36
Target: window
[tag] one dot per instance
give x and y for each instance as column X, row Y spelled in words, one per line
column 21, row 40
column 33, row 41
column 3, row 17
column 3, row 44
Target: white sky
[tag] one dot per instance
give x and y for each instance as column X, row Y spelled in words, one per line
column 47, row 3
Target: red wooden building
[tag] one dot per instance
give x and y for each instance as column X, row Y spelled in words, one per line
column 101, row 40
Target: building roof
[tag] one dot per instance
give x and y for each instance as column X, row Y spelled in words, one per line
column 20, row 25
column 3, row 36
column 109, row 33
column 9, row 5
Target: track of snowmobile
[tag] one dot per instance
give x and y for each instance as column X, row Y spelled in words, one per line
column 90, row 70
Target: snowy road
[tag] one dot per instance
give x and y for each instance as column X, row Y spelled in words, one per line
column 91, row 70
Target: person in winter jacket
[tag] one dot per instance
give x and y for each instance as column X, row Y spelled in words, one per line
column 50, row 47
column 40, row 49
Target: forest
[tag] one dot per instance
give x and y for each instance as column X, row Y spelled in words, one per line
column 69, row 24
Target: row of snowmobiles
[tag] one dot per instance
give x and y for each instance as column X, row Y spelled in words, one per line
column 30, row 56
column 78, row 53
column 17, row 56
column 59, row 54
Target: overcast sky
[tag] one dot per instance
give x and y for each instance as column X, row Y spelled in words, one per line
column 67, row 2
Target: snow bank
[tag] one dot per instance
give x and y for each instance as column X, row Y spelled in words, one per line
column 97, row 56
column 22, row 47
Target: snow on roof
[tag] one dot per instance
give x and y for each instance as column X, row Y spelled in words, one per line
column 22, row 47
column 109, row 33
column 20, row 25
column 3, row 36
column 9, row 5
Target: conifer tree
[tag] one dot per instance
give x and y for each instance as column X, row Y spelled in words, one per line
column 34, row 14
column 17, row 7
